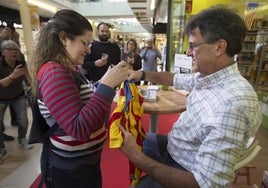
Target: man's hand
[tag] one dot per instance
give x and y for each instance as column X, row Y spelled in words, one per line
column 100, row 62
column 6, row 34
column 18, row 72
column 135, row 75
column 129, row 146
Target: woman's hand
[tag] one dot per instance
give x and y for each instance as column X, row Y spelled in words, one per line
column 131, row 60
column 115, row 75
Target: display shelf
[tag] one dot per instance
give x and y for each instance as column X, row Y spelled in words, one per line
column 253, row 59
column 262, row 74
column 247, row 70
column 246, row 59
column 247, row 54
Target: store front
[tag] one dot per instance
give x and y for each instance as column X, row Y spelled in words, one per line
column 180, row 11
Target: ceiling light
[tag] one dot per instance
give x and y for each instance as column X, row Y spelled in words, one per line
column 43, row 5
column 152, row 6
column 18, row 25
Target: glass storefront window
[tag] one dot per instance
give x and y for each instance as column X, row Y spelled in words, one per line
column 176, row 29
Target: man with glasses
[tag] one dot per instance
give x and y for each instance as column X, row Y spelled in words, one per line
column 222, row 110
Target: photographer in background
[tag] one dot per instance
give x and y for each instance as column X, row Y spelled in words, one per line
column 8, row 32
column 149, row 55
column 13, row 73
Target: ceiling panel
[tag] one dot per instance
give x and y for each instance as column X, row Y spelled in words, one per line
column 111, row 18
column 140, row 8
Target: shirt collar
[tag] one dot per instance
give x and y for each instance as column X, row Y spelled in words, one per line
column 217, row 76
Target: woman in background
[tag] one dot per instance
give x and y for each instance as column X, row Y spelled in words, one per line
column 71, row 156
column 132, row 57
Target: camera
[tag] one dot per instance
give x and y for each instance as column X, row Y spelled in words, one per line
column 130, row 55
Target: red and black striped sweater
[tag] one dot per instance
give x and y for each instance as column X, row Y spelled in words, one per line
column 79, row 111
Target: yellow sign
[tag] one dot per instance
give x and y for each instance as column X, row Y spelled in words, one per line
column 35, row 21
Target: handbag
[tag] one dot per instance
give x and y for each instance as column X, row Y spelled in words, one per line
column 39, row 129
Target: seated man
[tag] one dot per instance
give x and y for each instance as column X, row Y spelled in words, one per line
column 223, row 112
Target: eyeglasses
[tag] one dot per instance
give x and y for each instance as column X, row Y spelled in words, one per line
column 192, row 46
column 12, row 49
column 86, row 43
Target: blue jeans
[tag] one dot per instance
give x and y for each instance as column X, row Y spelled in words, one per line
column 155, row 147
column 20, row 109
column 81, row 177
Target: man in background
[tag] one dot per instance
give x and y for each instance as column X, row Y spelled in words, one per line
column 149, row 54
column 103, row 54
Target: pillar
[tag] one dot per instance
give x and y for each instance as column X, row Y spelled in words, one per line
column 26, row 25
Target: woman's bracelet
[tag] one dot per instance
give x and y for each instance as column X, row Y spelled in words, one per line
column 142, row 75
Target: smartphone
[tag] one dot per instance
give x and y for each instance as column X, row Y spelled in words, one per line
column 130, row 55
column 23, row 63
column 104, row 56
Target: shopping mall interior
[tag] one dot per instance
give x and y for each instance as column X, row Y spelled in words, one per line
column 161, row 20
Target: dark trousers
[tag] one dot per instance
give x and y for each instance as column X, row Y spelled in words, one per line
column 81, row 177
column 155, row 146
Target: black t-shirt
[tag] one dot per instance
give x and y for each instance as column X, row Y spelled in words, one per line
column 15, row 89
column 97, row 48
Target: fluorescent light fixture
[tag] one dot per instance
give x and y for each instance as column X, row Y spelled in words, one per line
column 152, row 6
column 116, row 1
column 43, row 5
column 18, row 25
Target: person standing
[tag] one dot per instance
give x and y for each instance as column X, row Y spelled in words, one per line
column 131, row 56
column 103, row 54
column 14, row 73
column 222, row 114
column 9, row 33
column 149, row 54
column 71, row 156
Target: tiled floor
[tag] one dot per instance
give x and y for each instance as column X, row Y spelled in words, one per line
column 22, row 166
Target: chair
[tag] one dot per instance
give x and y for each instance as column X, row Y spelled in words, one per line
column 250, row 153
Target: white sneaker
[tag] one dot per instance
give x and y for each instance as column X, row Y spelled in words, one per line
column 24, row 143
column 3, row 155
